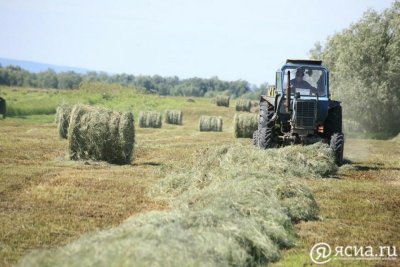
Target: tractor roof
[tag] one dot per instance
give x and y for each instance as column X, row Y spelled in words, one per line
column 304, row 62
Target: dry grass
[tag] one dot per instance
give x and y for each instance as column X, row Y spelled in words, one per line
column 47, row 201
column 243, row 210
column 360, row 207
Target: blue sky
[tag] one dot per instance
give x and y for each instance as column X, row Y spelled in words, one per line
column 231, row 39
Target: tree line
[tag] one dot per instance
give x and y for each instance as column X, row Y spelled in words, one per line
column 364, row 62
column 16, row 76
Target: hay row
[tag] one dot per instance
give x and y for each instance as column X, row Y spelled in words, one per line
column 243, row 105
column 150, row 119
column 235, row 207
column 173, row 117
column 63, row 115
column 222, row 101
column 101, row 134
column 210, row 124
column 245, row 125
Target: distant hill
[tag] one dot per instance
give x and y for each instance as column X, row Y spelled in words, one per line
column 32, row 66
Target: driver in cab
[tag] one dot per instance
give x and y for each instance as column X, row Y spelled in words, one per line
column 299, row 82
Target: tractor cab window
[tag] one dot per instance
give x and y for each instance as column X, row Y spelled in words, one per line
column 306, row 81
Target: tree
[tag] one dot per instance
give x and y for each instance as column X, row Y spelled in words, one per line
column 365, row 69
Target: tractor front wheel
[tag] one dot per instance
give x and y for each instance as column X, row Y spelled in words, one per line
column 337, row 146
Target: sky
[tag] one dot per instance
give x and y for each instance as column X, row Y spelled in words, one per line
column 231, row 39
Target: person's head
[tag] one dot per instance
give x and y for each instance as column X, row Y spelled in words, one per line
column 299, row 74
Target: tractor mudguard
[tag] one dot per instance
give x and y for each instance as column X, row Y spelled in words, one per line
column 333, row 104
column 269, row 99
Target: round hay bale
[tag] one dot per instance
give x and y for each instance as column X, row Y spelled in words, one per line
column 3, row 109
column 63, row 115
column 243, row 105
column 150, row 119
column 101, row 134
column 245, row 125
column 210, row 123
column 222, row 101
column 254, row 103
column 173, row 117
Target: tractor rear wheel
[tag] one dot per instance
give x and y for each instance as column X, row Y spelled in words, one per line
column 333, row 123
column 266, row 133
column 337, row 146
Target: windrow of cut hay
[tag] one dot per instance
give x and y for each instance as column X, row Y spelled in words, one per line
column 210, row 124
column 150, row 119
column 222, row 101
column 236, row 207
column 101, row 134
column 245, row 125
column 173, row 117
column 243, row 105
column 63, row 115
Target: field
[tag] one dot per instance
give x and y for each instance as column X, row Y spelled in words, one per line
column 47, row 201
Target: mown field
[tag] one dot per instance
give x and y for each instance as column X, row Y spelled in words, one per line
column 47, row 201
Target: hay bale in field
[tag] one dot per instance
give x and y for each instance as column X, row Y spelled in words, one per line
column 150, row 119
column 210, row 123
column 222, row 101
column 173, row 117
column 245, row 125
column 243, row 105
column 3, row 109
column 63, row 115
column 101, row 134
column 255, row 106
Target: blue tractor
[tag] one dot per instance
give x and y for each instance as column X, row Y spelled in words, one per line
column 299, row 110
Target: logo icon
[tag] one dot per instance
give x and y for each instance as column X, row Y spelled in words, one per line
column 320, row 253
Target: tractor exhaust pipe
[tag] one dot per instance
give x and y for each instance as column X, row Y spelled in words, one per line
column 288, row 93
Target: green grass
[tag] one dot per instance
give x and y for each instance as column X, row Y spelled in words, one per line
column 23, row 102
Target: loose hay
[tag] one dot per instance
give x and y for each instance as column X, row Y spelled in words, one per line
column 243, row 105
column 63, row 115
column 101, row 134
column 245, row 125
column 150, row 119
column 173, row 117
column 210, row 123
column 235, row 207
column 222, row 101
